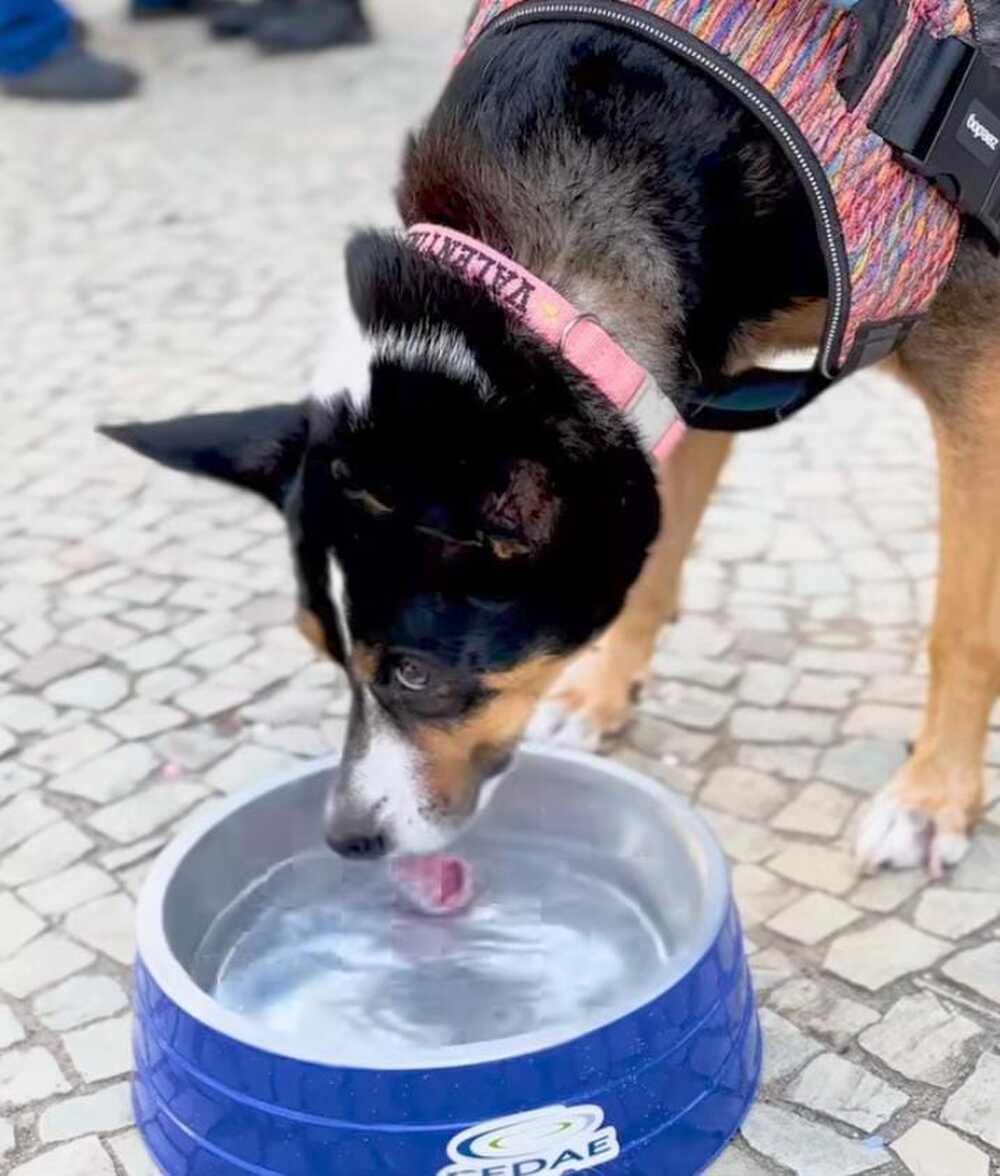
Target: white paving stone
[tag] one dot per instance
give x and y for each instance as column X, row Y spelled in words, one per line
column 731, row 1163
column 813, row 918
column 786, row 1049
column 978, row 969
column 97, row 689
column 28, row 1075
column 139, row 718
column 82, row 1157
column 818, row 867
column 247, row 764
column 11, row 1029
column 765, row 684
column 139, row 815
column 928, row 1149
column 744, row 793
column 791, row 761
column 109, row 776
column 130, row 1152
column 882, row 953
column 955, row 914
column 42, row 962
column 743, row 841
column 100, row 636
column 107, row 925
column 838, row 1088
column 62, row 892
column 78, row 1001
column 980, row 868
column 770, row 967
column 818, row 1009
column 818, row 810
column 59, row 753
column 888, row 890
column 7, row 1139
column 102, row 1050
column 109, row 1109
column 23, row 816
column 975, row 1106
column 18, row 925
column 25, row 713
column 52, row 663
column 826, row 691
column 781, row 726
column 760, row 894
column 807, row 1148
column 863, row 764
column 54, row 848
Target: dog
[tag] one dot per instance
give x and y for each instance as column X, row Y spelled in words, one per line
column 480, row 538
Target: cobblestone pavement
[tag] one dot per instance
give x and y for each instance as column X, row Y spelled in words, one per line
column 179, row 252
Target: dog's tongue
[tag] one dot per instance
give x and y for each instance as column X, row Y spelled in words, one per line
column 435, row 885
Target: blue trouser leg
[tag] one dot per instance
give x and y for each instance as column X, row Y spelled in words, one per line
column 30, row 32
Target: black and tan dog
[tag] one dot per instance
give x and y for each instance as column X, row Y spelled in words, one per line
column 477, row 517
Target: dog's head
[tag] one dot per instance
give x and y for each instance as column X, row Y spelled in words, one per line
column 460, row 527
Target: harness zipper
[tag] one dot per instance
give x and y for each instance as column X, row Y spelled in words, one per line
column 732, row 79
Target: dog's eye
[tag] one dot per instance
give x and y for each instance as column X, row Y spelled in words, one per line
column 412, row 674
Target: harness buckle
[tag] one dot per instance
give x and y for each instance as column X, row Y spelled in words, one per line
column 942, row 113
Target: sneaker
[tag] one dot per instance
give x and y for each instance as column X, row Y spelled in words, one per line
column 151, row 10
column 74, row 74
column 312, row 25
column 238, row 18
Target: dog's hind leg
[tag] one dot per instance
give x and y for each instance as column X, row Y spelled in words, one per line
column 953, row 360
column 593, row 698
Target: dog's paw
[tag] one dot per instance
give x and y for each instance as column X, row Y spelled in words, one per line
column 894, row 834
column 589, row 704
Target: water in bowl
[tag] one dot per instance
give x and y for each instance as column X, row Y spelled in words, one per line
column 327, row 953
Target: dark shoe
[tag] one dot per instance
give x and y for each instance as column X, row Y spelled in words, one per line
column 74, row 75
column 312, row 25
column 238, row 18
column 151, row 10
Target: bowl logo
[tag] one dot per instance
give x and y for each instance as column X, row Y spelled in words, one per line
column 553, row 1140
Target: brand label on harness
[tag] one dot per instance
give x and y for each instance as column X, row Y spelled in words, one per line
column 537, row 1143
column 980, row 133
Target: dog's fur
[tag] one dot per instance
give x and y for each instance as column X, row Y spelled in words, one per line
column 479, row 514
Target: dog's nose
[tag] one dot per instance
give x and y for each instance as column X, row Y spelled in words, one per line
column 358, row 846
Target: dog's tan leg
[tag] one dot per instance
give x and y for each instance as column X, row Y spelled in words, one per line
column 593, row 698
column 927, row 810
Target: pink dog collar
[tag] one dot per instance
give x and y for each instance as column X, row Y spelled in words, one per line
column 579, row 337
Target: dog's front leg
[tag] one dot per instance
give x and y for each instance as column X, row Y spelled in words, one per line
column 593, row 698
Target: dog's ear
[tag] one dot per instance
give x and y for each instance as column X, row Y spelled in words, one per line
column 259, row 449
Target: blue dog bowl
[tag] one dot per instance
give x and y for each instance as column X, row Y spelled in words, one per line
column 590, row 1010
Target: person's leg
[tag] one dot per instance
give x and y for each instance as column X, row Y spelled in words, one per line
column 31, row 31
column 42, row 57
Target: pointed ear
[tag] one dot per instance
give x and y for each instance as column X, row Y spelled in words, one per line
column 259, row 449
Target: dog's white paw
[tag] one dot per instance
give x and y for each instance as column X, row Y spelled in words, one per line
column 590, row 702
column 555, row 721
column 894, row 835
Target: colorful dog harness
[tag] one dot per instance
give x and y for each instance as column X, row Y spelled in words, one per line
column 869, row 105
